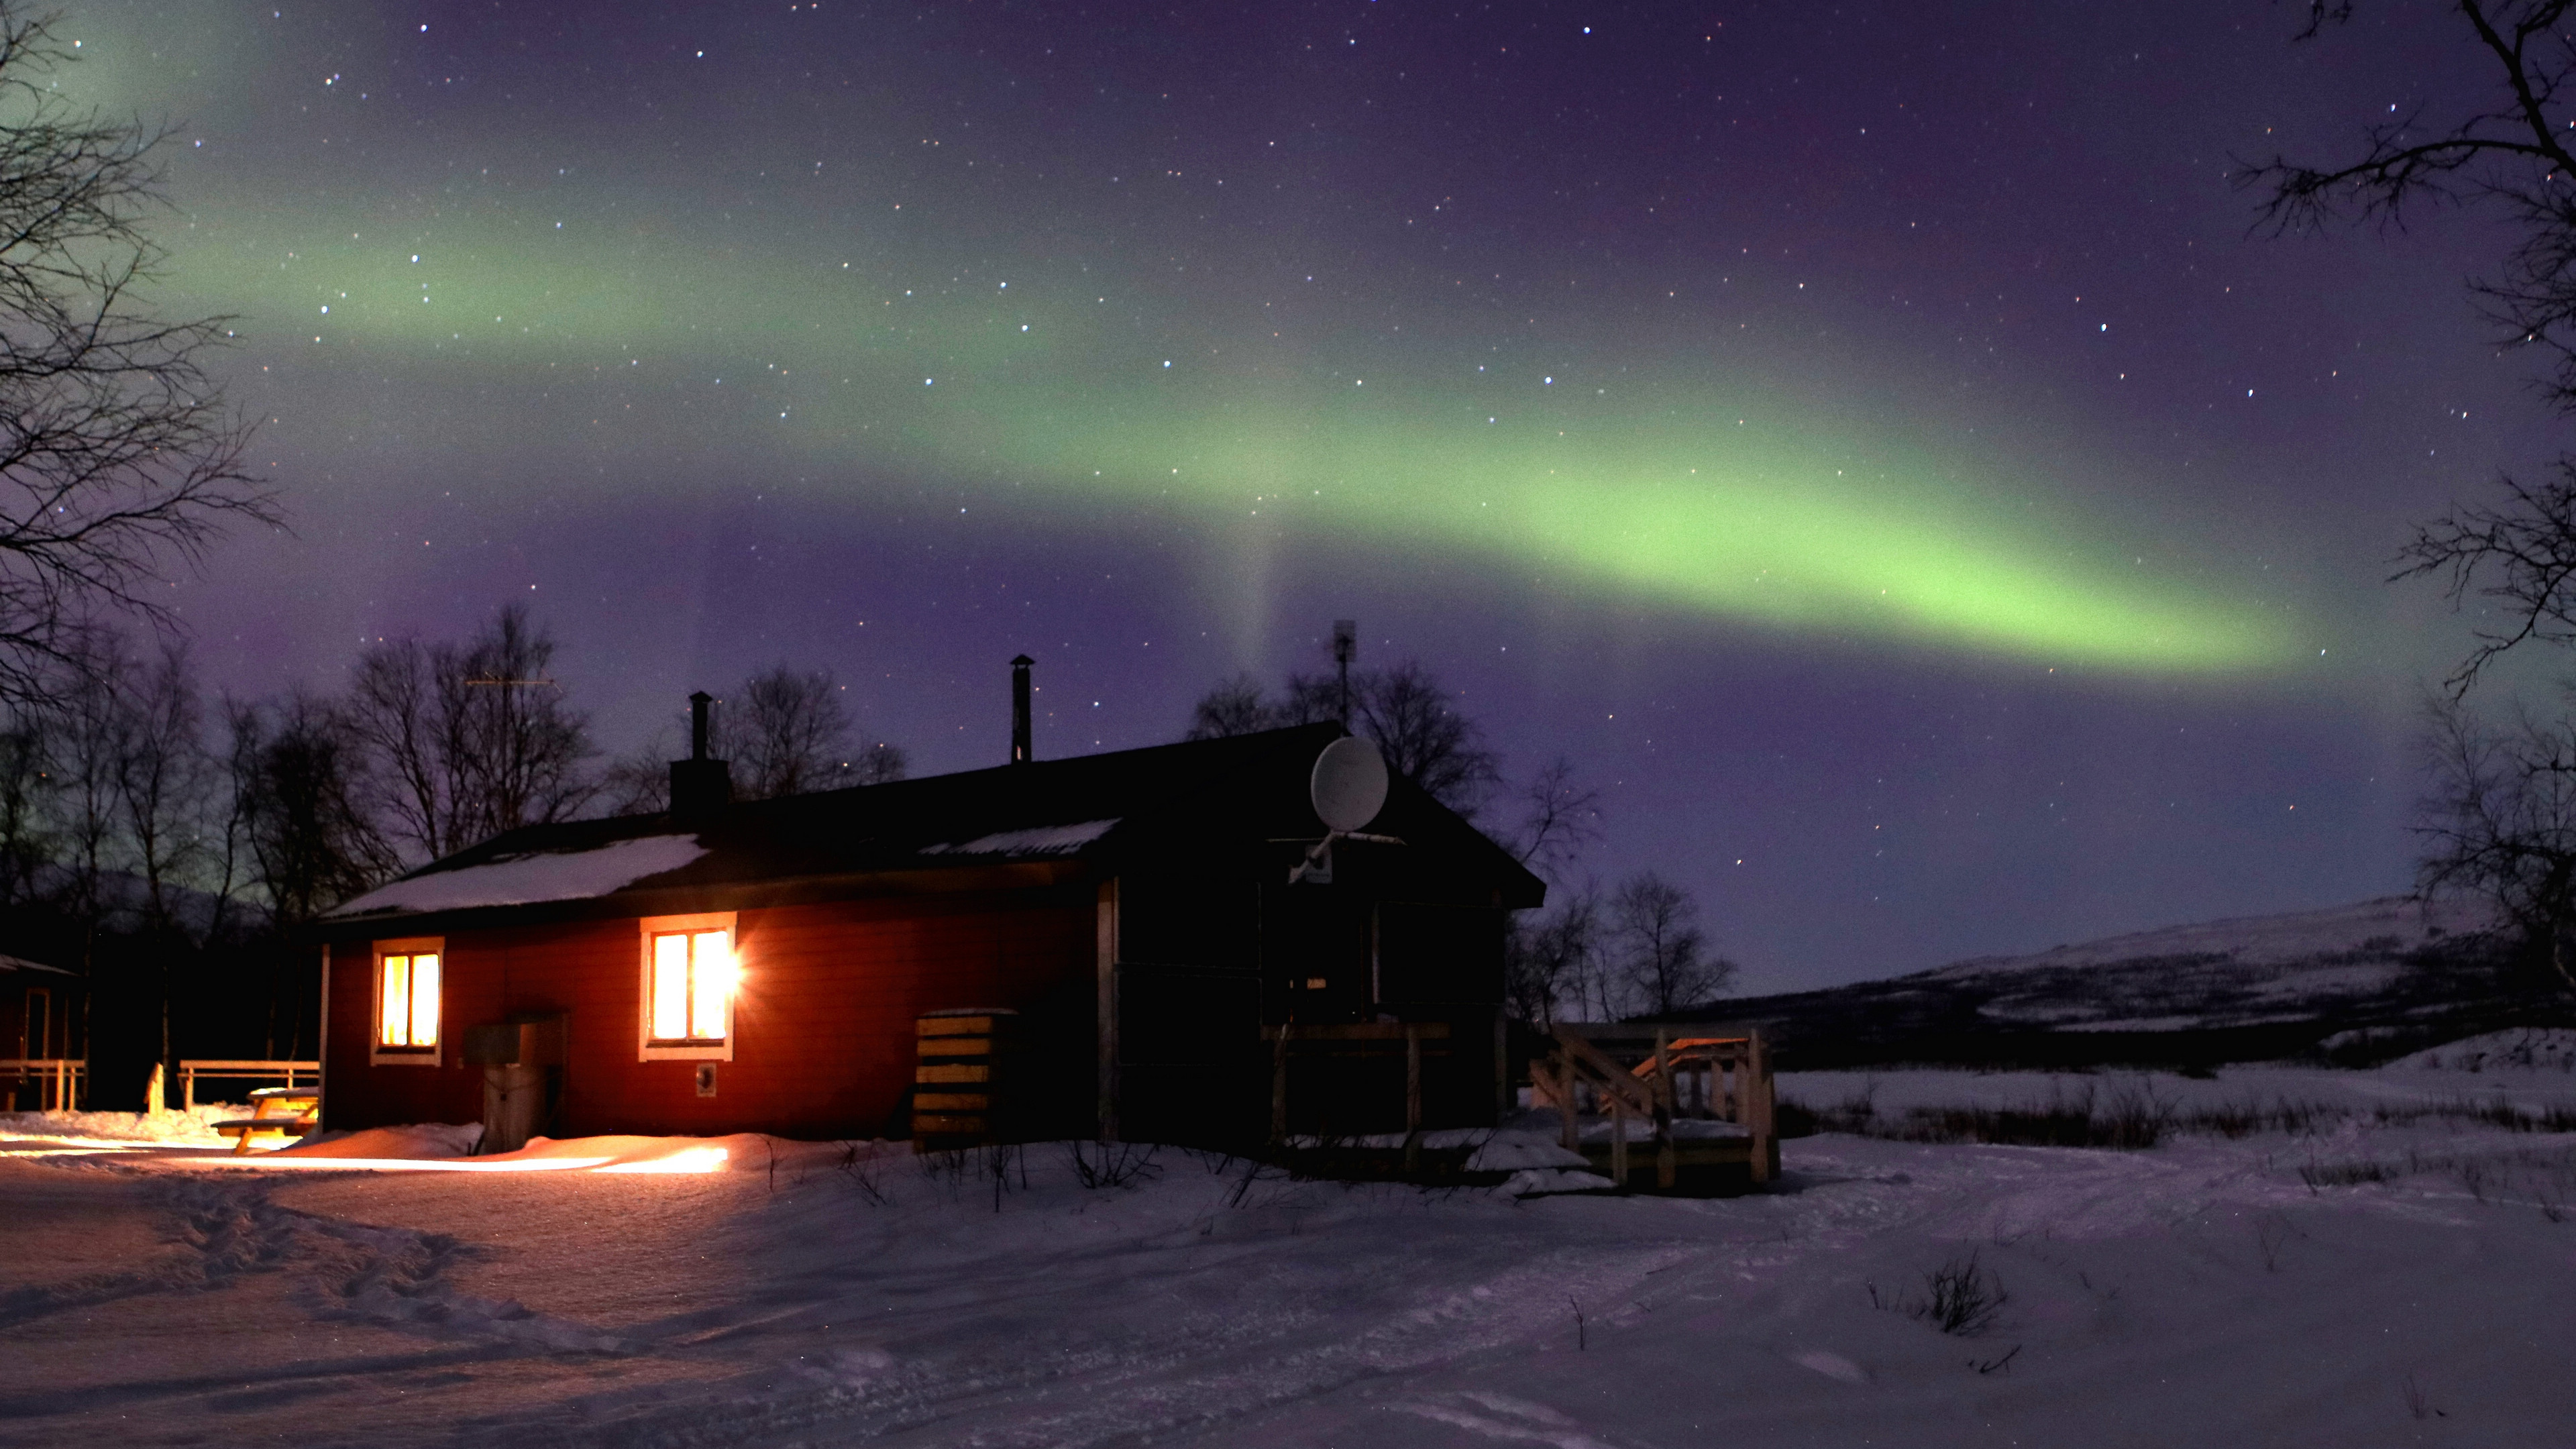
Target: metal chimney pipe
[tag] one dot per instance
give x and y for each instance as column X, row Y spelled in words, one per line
column 698, row 703
column 1021, row 753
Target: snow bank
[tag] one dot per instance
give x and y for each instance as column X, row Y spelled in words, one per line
column 1510, row 1151
column 423, row 1141
column 2531, row 1049
column 192, row 1128
column 2364, row 1282
column 569, row 875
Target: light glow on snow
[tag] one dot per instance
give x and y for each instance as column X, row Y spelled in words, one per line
column 687, row 1159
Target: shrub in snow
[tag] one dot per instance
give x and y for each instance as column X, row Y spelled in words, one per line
column 1959, row 1297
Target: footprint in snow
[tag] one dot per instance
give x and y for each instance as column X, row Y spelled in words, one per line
column 1831, row 1365
column 1520, row 1420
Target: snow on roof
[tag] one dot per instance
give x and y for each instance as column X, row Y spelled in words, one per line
column 567, row 875
column 1045, row 840
column 14, row 963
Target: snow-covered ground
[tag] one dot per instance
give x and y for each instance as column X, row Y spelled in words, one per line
column 2406, row 1279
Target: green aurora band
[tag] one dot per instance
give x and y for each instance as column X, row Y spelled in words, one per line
column 1667, row 482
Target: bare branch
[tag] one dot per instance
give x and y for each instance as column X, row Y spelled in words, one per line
column 119, row 459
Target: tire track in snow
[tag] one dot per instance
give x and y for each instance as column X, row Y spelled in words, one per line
column 1194, row 1375
column 387, row 1276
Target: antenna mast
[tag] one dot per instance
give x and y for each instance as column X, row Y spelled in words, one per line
column 1346, row 642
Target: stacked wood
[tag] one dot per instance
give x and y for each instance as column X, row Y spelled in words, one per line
column 961, row 1077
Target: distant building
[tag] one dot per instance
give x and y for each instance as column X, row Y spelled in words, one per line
column 761, row 966
column 44, row 1040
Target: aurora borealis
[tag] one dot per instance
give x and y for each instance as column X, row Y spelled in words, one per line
column 1869, row 444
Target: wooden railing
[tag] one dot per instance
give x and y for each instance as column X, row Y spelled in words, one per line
column 1658, row 1074
column 1356, row 1039
column 293, row 1074
column 60, row 1081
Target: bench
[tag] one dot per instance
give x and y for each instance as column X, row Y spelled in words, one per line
column 296, row 1111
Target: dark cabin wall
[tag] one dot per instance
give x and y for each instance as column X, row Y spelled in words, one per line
column 1213, row 945
column 823, row 1024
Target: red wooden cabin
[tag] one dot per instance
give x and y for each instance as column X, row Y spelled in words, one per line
column 760, row 966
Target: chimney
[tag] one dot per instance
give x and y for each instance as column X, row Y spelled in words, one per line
column 700, row 787
column 1021, row 754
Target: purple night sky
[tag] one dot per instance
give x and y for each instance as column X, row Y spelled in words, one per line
column 1867, row 439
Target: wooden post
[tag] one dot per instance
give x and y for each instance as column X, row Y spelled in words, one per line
column 1105, row 949
column 1560, row 1084
column 1757, row 1099
column 1279, row 1086
column 322, row 1041
column 1665, row 1166
column 1412, row 1098
column 1619, row 1140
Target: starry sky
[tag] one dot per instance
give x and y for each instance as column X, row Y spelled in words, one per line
column 1866, row 438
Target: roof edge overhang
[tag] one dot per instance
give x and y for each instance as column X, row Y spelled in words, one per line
column 726, row 896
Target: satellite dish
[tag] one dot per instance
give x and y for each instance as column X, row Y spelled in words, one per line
column 1349, row 786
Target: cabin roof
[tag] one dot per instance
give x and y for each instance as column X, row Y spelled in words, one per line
column 20, row 963
column 1245, row 788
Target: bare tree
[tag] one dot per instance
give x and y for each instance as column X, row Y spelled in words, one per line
column 118, row 453
column 405, row 710
column 787, row 732
column 1402, row 709
column 461, row 742
column 639, row 783
column 2509, row 154
column 27, row 784
column 91, row 733
column 1661, row 951
column 1235, row 707
column 1552, row 961
column 2501, row 822
column 164, row 780
column 296, row 775
column 880, row 764
column 523, row 746
column 1424, row 737
column 1559, row 817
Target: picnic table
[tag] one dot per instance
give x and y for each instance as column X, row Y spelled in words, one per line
column 291, row 1110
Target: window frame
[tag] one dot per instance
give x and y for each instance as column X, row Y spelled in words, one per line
column 705, row 1049
column 379, row 1054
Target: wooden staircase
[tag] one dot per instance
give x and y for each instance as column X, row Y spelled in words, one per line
column 1696, row 1099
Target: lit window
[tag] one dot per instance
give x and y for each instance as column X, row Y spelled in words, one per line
column 692, row 985
column 690, row 975
column 407, row 1000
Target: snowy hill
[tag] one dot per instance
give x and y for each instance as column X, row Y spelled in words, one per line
column 2363, row 981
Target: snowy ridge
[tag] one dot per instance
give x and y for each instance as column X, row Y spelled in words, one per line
column 2385, row 926
column 2532, row 1049
column 2361, row 982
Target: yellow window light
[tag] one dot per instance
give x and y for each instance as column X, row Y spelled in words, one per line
column 424, row 1000
column 711, row 985
column 396, row 1028
column 671, row 987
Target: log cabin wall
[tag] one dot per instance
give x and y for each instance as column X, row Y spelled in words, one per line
column 822, row 1026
